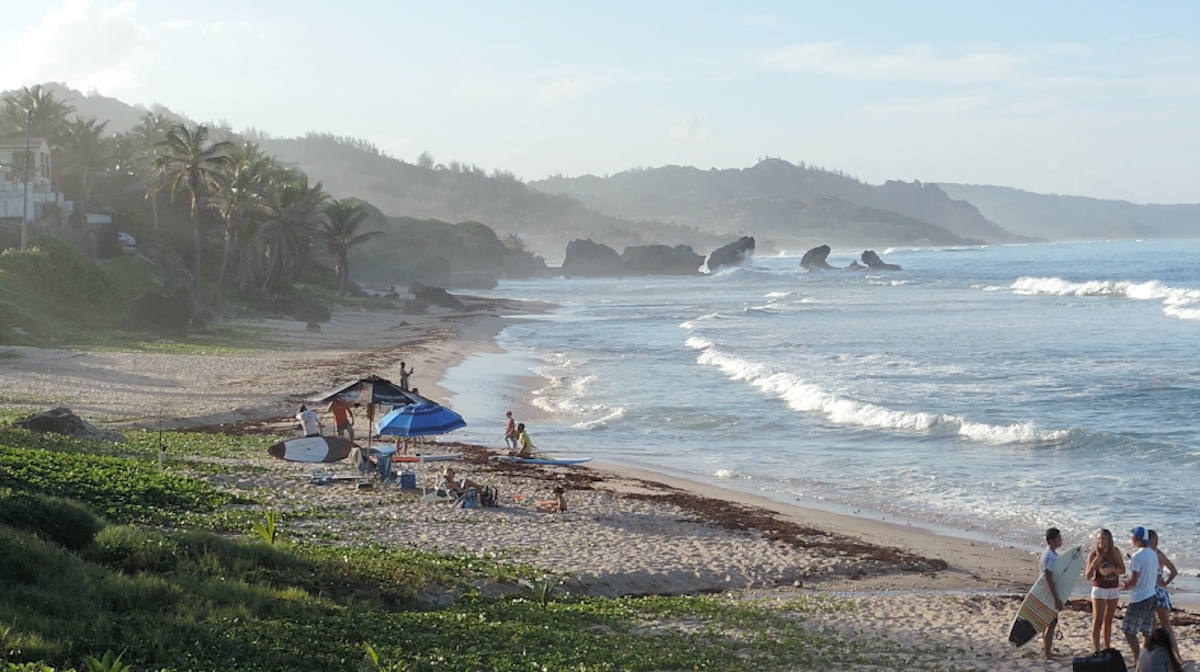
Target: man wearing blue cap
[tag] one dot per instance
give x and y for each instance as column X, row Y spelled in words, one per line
column 1142, row 582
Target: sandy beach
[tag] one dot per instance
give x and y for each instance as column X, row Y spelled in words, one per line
column 626, row 531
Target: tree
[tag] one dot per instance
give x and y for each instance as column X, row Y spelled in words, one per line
column 515, row 243
column 425, row 160
column 87, row 152
column 339, row 233
column 238, row 194
column 188, row 160
column 151, row 130
column 49, row 113
column 296, row 209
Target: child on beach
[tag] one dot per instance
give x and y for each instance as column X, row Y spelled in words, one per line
column 1162, row 611
column 1046, row 565
column 1143, row 584
column 1104, row 569
column 510, row 431
column 558, row 504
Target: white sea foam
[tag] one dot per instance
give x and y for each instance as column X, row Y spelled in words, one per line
column 776, row 295
column 602, row 422
column 724, row 473
column 801, row 395
column 1177, row 302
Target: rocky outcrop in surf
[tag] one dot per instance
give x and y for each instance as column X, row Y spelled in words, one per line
column 586, row 257
column 434, row 296
column 660, row 260
column 814, row 259
column 874, row 263
column 733, row 254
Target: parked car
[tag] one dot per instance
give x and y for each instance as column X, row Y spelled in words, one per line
column 128, row 242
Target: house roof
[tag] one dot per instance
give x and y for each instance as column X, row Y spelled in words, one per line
column 19, row 143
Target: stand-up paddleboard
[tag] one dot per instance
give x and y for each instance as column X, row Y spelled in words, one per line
column 1037, row 612
column 448, row 457
column 564, row 462
column 312, row 449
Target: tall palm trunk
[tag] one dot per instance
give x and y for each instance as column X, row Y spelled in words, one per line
column 196, row 238
column 229, row 229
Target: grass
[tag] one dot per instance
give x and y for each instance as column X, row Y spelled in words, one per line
column 103, row 552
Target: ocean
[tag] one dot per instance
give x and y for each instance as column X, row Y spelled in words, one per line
column 987, row 391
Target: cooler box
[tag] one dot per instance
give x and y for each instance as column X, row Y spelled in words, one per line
column 408, row 479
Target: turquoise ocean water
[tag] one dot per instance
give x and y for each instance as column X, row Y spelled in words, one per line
column 994, row 390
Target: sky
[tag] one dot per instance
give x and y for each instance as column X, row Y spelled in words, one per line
column 1085, row 98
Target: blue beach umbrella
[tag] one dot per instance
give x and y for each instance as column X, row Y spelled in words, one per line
column 423, row 419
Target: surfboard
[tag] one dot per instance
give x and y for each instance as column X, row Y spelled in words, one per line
column 564, row 462
column 312, row 449
column 448, row 457
column 1037, row 611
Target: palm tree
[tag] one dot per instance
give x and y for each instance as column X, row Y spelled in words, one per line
column 340, row 234
column 151, row 130
column 48, row 118
column 286, row 238
column 187, row 159
column 239, row 194
column 87, row 151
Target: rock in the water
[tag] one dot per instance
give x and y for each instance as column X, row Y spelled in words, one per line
column 523, row 264
column 855, row 266
column 814, row 259
column 62, row 420
column 874, row 263
column 435, row 296
column 660, row 260
column 588, row 258
column 166, row 314
column 733, row 254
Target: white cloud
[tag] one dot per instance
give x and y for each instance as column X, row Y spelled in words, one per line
column 912, row 63
column 83, row 46
column 689, row 131
column 568, row 87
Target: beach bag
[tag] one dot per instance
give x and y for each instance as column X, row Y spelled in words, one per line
column 470, row 499
column 489, row 497
column 1108, row 660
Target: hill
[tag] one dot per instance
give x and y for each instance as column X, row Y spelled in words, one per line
column 1077, row 217
column 685, row 194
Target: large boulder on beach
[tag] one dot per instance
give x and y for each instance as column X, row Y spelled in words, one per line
column 589, row 258
column 660, row 260
column 874, row 263
column 434, row 270
column 733, row 254
column 523, row 264
column 165, row 314
column 814, row 259
column 62, row 420
column 434, row 296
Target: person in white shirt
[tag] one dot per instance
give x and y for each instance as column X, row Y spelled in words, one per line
column 1143, row 586
column 309, row 421
column 1046, row 565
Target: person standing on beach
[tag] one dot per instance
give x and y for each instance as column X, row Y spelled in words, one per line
column 1162, row 610
column 343, row 417
column 1143, row 584
column 404, row 374
column 1104, row 568
column 1053, row 543
column 309, row 421
column 510, row 431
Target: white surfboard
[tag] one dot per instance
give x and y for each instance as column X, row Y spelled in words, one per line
column 1037, row 612
column 312, row 449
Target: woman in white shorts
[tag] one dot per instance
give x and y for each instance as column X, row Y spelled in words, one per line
column 1104, row 568
column 1166, row 574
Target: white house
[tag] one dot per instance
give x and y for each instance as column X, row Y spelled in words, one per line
column 12, row 178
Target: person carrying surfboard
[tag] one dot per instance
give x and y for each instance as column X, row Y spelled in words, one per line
column 1053, row 543
column 1143, row 584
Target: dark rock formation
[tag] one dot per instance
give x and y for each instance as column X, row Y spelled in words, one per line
column 588, row 258
column 814, row 259
column 660, row 260
column 874, row 263
column 166, row 314
column 733, row 254
column 523, row 264
column 62, row 420
column 434, row 296
column 855, row 266
column 434, row 270
column 313, row 327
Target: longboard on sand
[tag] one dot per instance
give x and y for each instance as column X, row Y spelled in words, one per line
column 312, row 449
column 564, row 462
column 1037, row 612
column 391, row 450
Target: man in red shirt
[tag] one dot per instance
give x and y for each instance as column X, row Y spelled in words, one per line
column 343, row 417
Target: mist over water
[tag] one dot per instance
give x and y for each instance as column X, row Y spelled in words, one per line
column 998, row 390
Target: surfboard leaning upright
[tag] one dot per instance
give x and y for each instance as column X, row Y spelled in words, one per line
column 1037, row 612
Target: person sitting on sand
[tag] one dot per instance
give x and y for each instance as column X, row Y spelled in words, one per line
column 1104, row 569
column 556, row 505
column 309, row 421
column 1163, row 611
column 525, row 445
column 457, row 486
column 1053, row 542
column 1159, row 654
column 1142, row 584
column 343, row 417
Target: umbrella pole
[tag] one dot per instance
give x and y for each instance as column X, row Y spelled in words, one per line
column 370, row 423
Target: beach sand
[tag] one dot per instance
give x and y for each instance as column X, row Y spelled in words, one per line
column 626, row 532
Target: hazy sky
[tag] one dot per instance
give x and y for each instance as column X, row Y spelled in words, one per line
column 1087, row 98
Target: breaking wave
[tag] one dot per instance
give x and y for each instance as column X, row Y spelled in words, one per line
column 1177, row 301
column 800, row 395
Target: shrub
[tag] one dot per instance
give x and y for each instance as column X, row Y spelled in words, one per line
column 64, row 522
